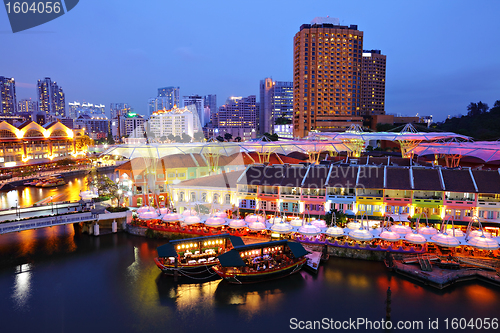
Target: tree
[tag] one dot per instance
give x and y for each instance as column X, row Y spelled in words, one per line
column 228, row 136
column 105, row 186
column 163, row 138
column 177, row 139
column 83, row 141
column 335, row 215
column 272, row 137
column 238, row 139
column 110, row 139
column 170, row 137
column 476, row 109
column 199, row 136
column 282, row 121
column 219, row 138
column 186, row 138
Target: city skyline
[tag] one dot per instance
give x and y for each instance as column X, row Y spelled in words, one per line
column 428, row 70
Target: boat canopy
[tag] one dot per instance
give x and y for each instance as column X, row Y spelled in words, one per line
column 231, row 259
column 168, row 250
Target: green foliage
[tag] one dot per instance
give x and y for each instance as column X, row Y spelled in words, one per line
column 384, row 127
column 228, row 137
column 340, row 217
column 199, row 136
column 282, row 121
column 117, row 209
column 478, row 123
column 219, row 138
column 186, row 138
column 105, row 186
column 66, row 161
column 238, row 139
column 272, row 137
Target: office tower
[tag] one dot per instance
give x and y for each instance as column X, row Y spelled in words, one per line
column 172, row 95
column 27, row 106
column 118, row 109
column 276, row 104
column 210, row 102
column 7, row 95
column 77, row 109
column 199, row 103
column 173, row 122
column 237, row 117
column 327, row 76
column 373, row 83
column 97, row 126
column 51, row 99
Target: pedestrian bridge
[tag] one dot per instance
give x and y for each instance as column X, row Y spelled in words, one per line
column 43, row 222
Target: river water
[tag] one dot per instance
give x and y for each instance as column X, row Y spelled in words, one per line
column 53, row 280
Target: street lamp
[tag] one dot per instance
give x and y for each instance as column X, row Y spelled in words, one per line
column 119, row 195
column 52, row 203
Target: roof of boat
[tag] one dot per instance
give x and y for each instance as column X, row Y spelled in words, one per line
column 168, row 250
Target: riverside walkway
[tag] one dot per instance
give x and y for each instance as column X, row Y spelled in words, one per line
column 43, row 222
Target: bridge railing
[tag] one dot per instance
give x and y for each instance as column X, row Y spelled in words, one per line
column 45, row 222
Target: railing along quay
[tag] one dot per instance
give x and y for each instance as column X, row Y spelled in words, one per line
column 45, row 222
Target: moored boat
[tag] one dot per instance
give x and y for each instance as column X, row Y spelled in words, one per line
column 261, row 262
column 194, row 257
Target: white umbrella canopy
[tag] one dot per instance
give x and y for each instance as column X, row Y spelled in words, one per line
column 256, row 226
column 483, row 243
column 455, row 232
column 389, row 236
column 445, row 240
column 334, row 232
column 319, row 223
column 354, row 225
column 215, row 222
column 254, row 218
column 221, row 214
column 401, row 229
column 237, row 223
column 428, row 231
column 171, row 217
column 188, row 220
column 415, row 238
column 309, row 230
column 281, row 228
column 297, row 222
column 361, row 235
column 144, row 209
column 148, row 215
column 275, row 219
column 189, row 212
column 479, row 233
column 164, row 211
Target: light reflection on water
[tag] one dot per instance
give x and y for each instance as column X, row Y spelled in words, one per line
column 114, row 278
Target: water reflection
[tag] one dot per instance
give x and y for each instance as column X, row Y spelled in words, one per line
column 22, row 286
column 26, row 196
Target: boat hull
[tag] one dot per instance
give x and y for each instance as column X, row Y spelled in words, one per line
column 196, row 271
column 255, row 277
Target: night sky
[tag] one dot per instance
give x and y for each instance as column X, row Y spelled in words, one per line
column 441, row 55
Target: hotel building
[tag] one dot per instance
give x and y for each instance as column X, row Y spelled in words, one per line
column 327, row 76
column 237, row 117
column 373, row 83
column 175, row 122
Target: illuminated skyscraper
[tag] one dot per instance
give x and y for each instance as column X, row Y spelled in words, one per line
column 373, row 83
column 276, row 104
column 7, row 95
column 327, row 76
column 118, row 109
column 167, row 98
column 51, row 99
column 27, row 105
column 237, row 117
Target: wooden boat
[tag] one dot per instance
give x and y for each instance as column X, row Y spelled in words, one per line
column 50, row 181
column 261, row 262
column 194, row 257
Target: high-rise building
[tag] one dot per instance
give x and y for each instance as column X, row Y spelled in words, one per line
column 51, row 99
column 327, row 76
column 276, row 104
column 199, row 103
column 118, row 109
column 76, row 109
column 7, row 95
column 172, row 122
column 373, row 83
column 167, row 99
column 96, row 126
column 131, row 125
column 27, row 105
column 210, row 102
column 237, row 117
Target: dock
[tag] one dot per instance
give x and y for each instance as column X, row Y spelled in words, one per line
column 438, row 277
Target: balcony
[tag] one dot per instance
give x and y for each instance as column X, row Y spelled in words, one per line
column 488, row 204
column 397, row 200
column 313, row 194
column 267, row 192
column 290, row 193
